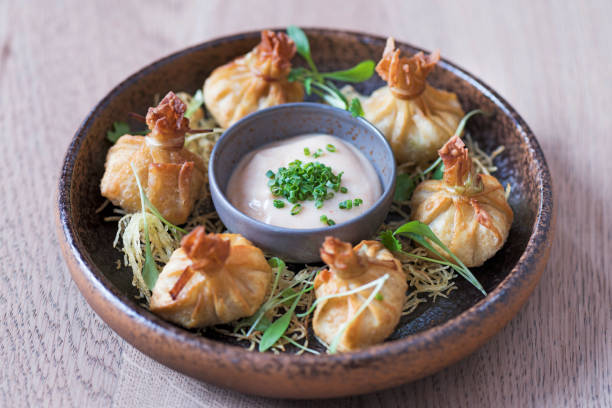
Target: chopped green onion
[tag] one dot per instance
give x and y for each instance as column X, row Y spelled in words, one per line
column 357, row 202
column 278, row 203
column 379, row 297
column 343, row 190
column 312, row 181
column 331, row 222
column 306, row 151
column 330, row 148
column 296, row 209
column 345, row 205
column 323, row 218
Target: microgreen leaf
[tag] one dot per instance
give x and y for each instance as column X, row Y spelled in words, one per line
column 404, row 187
column 300, row 346
column 359, row 73
column 299, row 38
column 319, row 83
column 420, row 233
column 389, row 241
column 149, row 270
column 355, row 108
column 468, row 115
column 119, row 129
column 196, row 102
column 307, row 85
column 276, row 330
column 301, row 44
column 438, row 174
column 433, row 166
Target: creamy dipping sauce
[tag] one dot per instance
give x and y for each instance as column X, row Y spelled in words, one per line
column 249, row 192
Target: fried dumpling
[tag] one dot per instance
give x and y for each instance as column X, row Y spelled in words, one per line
column 350, row 268
column 172, row 177
column 211, row 279
column 254, row 81
column 415, row 117
column 467, row 211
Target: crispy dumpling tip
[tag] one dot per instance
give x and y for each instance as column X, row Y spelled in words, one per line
column 405, row 76
column 167, row 122
column 211, row 279
column 205, row 250
column 457, row 163
column 275, row 52
column 350, row 268
column 416, row 118
column 467, row 211
column 341, row 258
column 172, row 177
column 253, row 81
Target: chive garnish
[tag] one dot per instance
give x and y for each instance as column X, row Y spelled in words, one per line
column 326, row 220
column 379, row 296
column 330, row 148
column 343, row 190
column 296, row 209
column 318, row 153
column 345, row 205
column 269, row 174
column 357, row 202
column 278, row 203
column 305, row 181
column 306, row 151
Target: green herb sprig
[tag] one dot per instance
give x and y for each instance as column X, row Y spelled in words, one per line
column 422, row 234
column 273, row 331
column 194, row 104
column 122, row 128
column 150, row 273
column 320, row 83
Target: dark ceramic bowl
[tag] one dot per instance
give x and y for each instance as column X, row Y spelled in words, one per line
column 435, row 335
column 282, row 122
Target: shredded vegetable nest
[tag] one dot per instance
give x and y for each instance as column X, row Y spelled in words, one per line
column 426, row 280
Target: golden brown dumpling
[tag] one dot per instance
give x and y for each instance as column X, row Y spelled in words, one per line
column 211, row 279
column 254, row 81
column 467, row 211
column 416, row 118
column 350, row 268
column 172, row 177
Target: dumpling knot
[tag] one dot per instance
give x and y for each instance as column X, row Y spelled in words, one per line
column 457, row 163
column 167, row 122
column 341, row 258
column 274, row 52
column 406, row 77
column 206, row 251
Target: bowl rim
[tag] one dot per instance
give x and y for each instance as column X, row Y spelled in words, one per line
column 87, row 272
column 215, row 189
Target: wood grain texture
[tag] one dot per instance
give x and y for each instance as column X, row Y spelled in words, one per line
column 552, row 61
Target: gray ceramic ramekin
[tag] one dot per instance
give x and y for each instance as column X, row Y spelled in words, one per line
column 282, row 122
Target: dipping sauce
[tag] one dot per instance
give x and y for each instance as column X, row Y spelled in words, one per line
column 249, row 190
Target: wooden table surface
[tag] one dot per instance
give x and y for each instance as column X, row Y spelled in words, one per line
column 552, row 61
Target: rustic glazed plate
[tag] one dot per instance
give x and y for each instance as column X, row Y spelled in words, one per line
column 438, row 334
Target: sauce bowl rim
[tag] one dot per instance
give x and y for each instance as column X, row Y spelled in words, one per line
column 218, row 193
